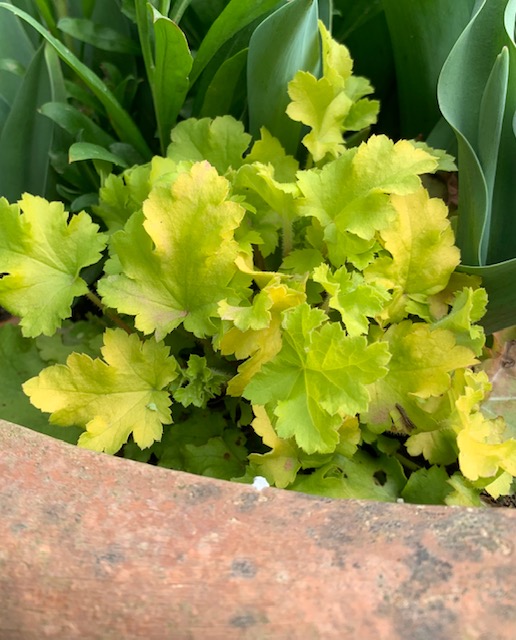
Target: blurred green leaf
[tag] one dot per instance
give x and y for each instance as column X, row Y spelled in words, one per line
column 120, row 119
column 235, row 16
column 88, row 151
column 76, row 123
column 422, row 35
column 26, row 137
column 98, row 35
column 477, row 96
column 224, row 87
column 284, row 43
column 170, row 83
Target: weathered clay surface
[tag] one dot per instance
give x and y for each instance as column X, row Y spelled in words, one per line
column 96, row 547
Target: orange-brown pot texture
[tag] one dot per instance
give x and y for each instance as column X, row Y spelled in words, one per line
column 95, row 547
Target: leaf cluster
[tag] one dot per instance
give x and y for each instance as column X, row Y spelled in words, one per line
column 304, row 323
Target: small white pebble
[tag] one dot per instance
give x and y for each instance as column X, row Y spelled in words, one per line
column 260, row 483
column 400, row 500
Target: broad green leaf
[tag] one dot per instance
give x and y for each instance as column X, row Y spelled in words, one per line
column 88, row 151
column 355, row 299
column 43, row 254
column 318, row 378
column 120, row 119
column 236, row 15
column 167, row 259
column 422, row 35
column 221, row 141
column 20, row 360
column 422, row 250
column 420, row 367
column 110, row 398
column 98, row 35
column 477, row 96
column 173, row 62
column 283, row 44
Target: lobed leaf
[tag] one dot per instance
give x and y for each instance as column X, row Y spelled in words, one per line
column 42, row 254
column 183, row 240
column 110, row 398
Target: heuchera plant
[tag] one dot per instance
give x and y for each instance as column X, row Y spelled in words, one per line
column 305, row 324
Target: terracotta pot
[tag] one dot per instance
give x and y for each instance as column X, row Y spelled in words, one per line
column 97, row 547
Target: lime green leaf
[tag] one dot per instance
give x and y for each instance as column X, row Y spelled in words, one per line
column 352, row 297
column 427, row 486
column 318, row 105
column 255, row 317
column 257, row 345
column 43, row 254
column 281, row 464
column 349, row 196
column 445, row 161
column 121, row 196
column 221, row 141
column 331, row 105
column 438, row 446
column 487, row 447
column 484, row 449
column 110, row 398
column 199, row 383
column 420, row 367
column 186, row 241
column 268, row 150
column 421, row 244
column 317, row 379
column 468, row 307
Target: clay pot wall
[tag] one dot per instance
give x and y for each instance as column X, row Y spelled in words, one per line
column 95, row 547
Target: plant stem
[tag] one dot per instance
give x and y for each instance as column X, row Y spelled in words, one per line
column 287, row 235
column 112, row 316
column 406, row 462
